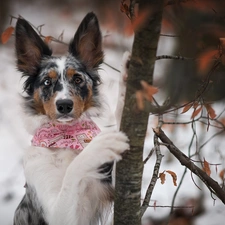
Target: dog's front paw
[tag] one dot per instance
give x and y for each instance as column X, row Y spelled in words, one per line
column 107, row 147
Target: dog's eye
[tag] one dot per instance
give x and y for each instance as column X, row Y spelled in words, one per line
column 78, row 80
column 47, row 82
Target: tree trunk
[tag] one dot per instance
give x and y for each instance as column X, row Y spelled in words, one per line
column 134, row 123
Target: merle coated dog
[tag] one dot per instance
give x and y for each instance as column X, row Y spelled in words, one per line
column 66, row 183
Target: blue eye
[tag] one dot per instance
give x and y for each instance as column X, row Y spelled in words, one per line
column 47, row 82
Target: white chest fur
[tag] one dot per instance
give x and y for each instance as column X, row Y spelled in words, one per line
column 68, row 185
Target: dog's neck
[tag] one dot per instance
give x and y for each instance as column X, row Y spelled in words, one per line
column 73, row 135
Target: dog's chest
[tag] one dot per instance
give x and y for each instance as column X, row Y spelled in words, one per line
column 47, row 164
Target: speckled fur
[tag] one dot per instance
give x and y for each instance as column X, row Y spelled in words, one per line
column 65, row 187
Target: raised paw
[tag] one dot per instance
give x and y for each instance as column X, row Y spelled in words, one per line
column 107, row 147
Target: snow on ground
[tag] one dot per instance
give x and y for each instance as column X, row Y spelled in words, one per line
column 13, row 137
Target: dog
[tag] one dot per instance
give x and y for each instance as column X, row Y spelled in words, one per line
column 68, row 165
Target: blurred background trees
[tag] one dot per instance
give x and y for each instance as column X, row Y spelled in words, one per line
column 189, row 74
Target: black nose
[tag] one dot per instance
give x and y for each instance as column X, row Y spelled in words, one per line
column 64, row 106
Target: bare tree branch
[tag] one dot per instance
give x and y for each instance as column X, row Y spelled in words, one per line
column 151, row 186
column 184, row 160
column 149, row 155
column 176, row 57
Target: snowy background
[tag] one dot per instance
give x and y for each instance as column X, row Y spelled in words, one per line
column 13, row 137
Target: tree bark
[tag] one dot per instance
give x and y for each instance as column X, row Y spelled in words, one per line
column 134, row 123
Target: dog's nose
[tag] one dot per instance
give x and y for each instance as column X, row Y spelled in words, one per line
column 64, row 106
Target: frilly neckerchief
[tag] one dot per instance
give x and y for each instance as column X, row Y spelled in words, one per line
column 75, row 135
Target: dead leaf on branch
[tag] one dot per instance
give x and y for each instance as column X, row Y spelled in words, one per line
column 206, row 167
column 210, row 111
column 186, row 108
column 162, row 177
column 196, row 112
column 48, row 39
column 222, row 174
column 148, row 90
column 147, row 93
column 173, row 175
column 7, row 34
column 198, row 108
column 154, row 205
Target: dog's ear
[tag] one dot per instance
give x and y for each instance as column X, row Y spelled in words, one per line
column 87, row 42
column 30, row 48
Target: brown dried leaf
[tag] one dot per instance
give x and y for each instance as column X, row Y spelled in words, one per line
column 7, row 34
column 186, row 108
column 148, row 90
column 210, row 111
column 48, row 39
column 206, row 167
column 162, row 177
column 195, row 105
column 221, row 174
column 196, row 112
column 173, row 175
column 154, row 205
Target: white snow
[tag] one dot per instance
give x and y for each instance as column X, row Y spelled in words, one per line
column 13, row 137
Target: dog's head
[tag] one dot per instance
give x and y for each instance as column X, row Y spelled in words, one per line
column 60, row 87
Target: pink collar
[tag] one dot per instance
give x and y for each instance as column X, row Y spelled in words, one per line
column 75, row 135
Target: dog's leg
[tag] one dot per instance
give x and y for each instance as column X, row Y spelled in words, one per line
column 82, row 191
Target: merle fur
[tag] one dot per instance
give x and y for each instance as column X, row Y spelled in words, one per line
column 29, row 211
column 33, row 66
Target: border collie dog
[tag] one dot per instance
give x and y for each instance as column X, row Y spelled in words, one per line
column 68, row 165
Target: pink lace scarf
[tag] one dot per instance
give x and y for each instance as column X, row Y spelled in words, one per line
column 75, row 135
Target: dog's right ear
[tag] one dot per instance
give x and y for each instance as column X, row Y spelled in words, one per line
column 86, row 44
column 30, row 48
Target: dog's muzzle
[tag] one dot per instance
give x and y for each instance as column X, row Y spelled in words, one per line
column 64, row 106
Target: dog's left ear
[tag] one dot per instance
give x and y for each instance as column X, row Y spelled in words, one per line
column 87, row 42
column 30, row 48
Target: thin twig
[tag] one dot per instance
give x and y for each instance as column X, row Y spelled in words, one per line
column 149, row 155
column 111, row 67
column 183, row 175
column 178, row 188
column 167, row 108
column 151, row 186
column 169, row 35
column 200, row 121
column 39, row 31
column 216, row 134
column 184, row 160
column 172, row 57
column 212, row 164
column 169, row 206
